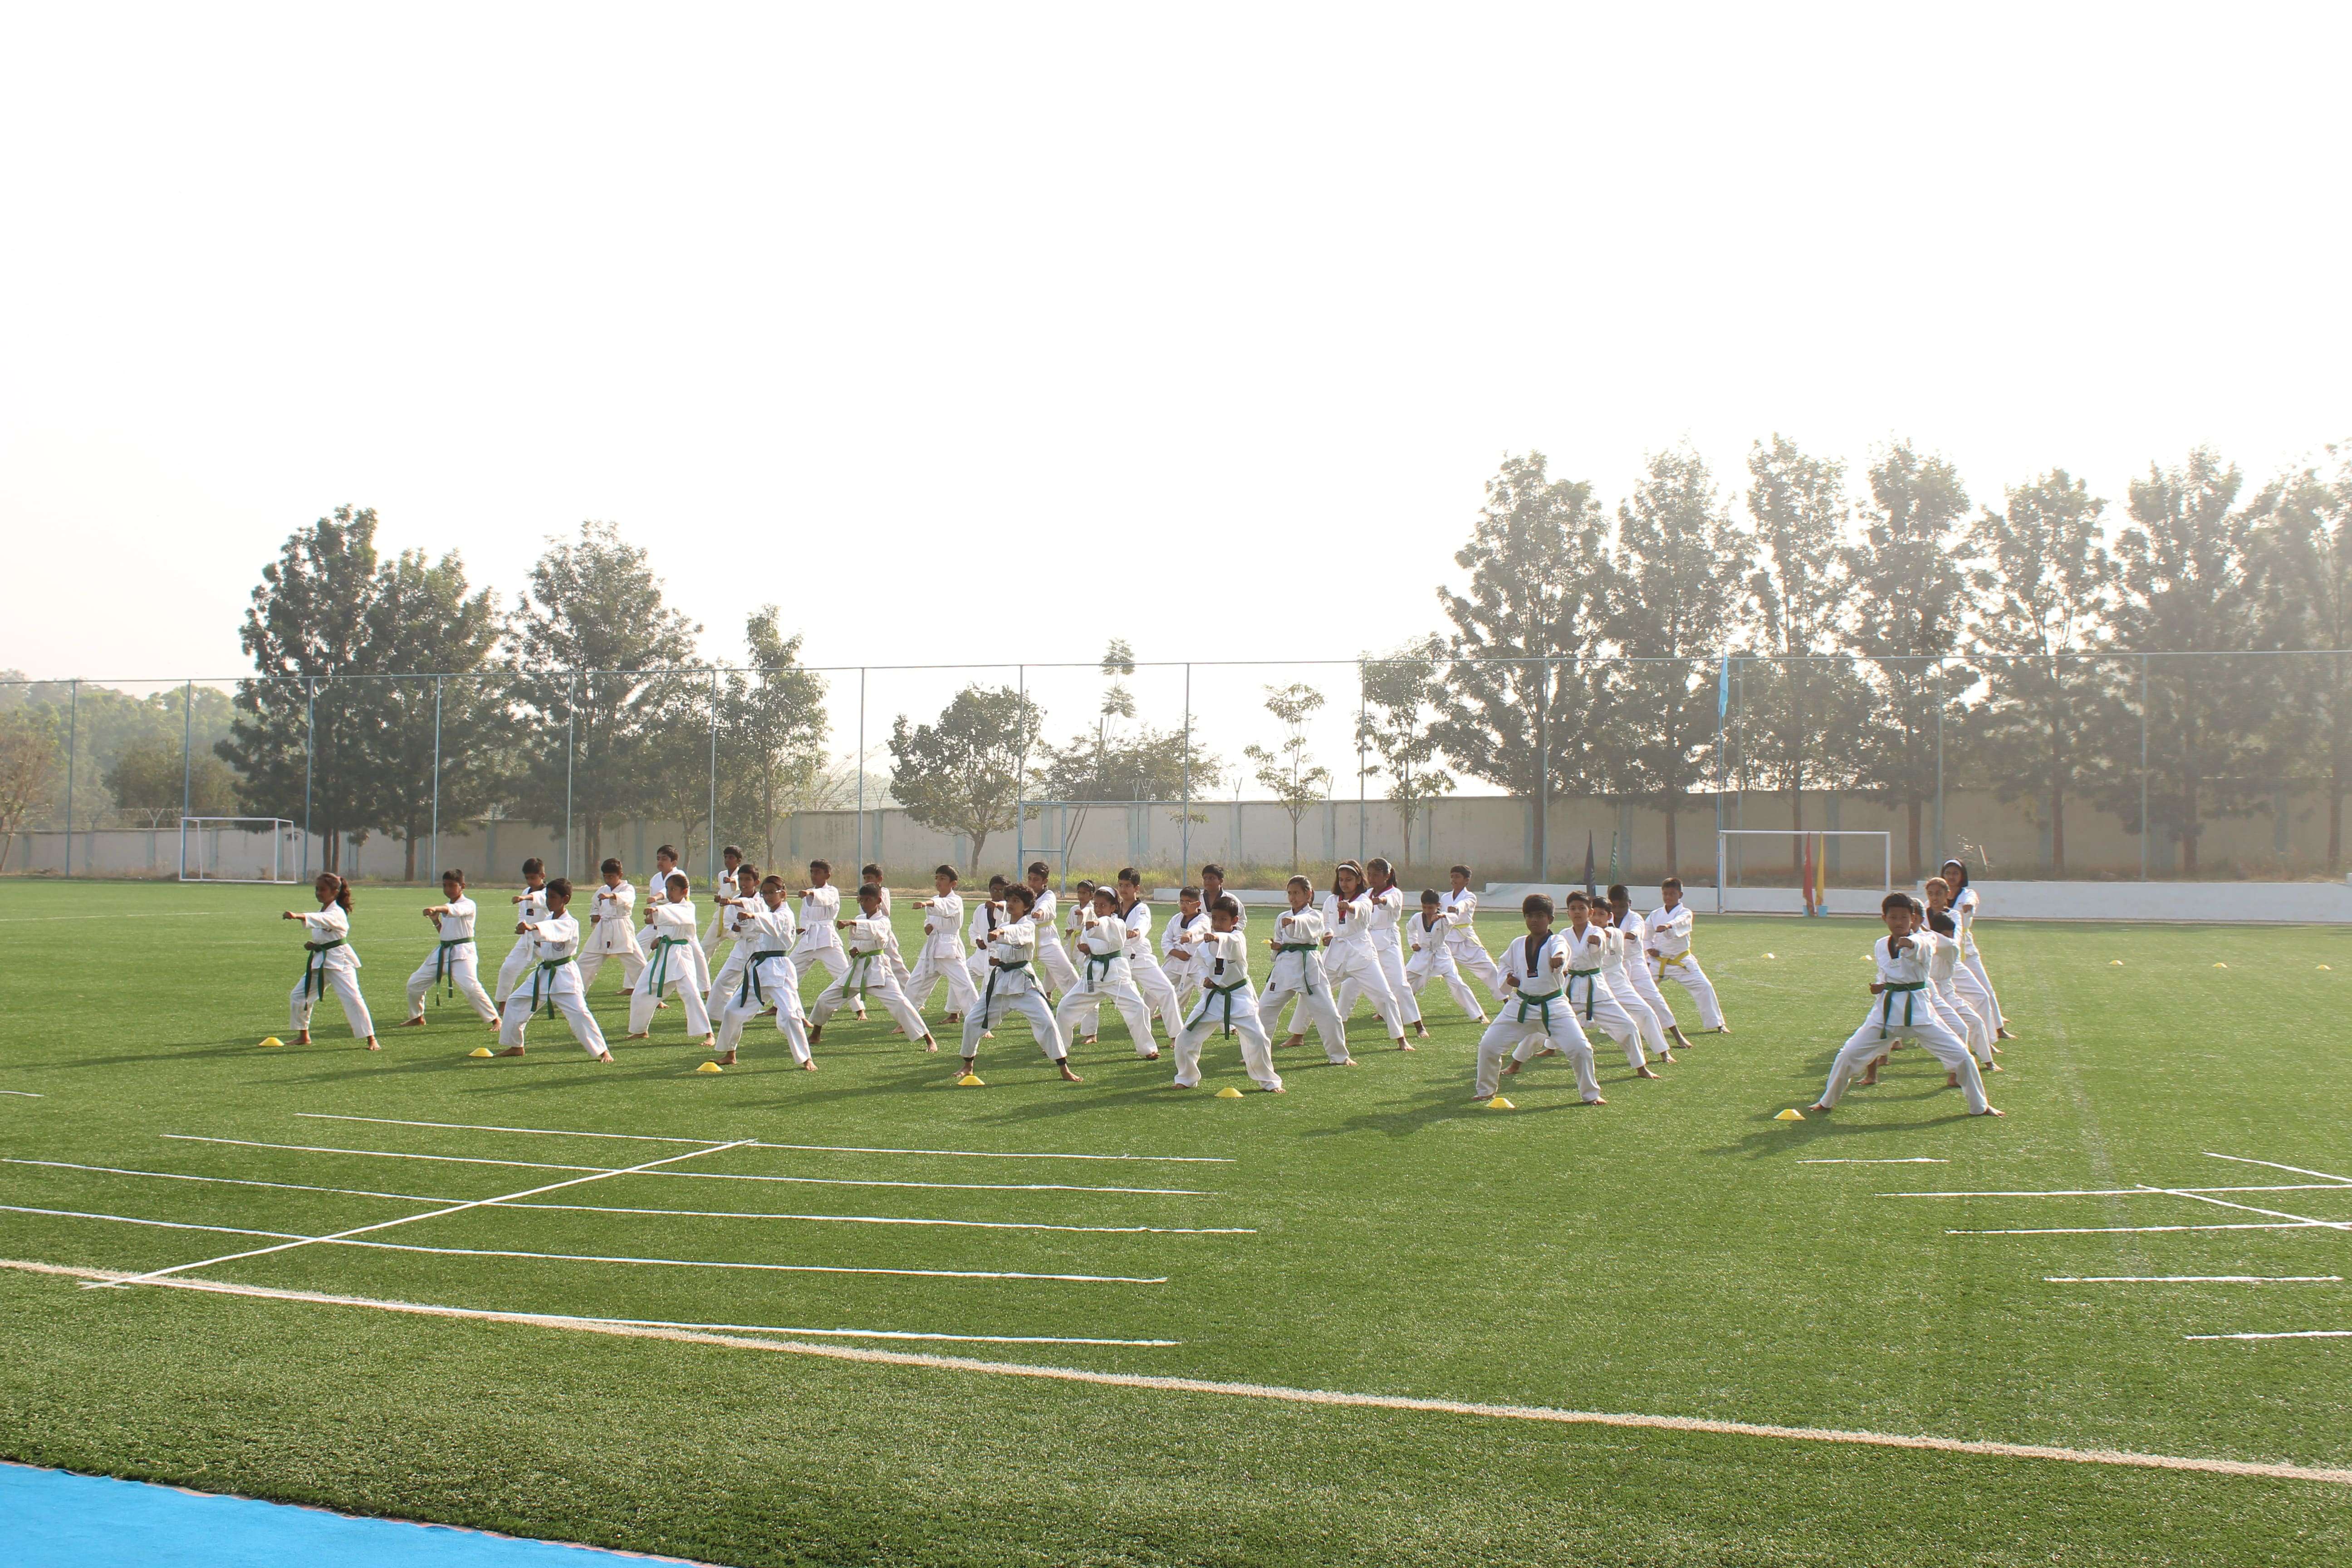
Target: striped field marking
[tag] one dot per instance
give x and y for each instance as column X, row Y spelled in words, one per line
column 1910, row 1160
column 817, row 1148
column 234, row 1182
column 2292, row 1334
column 740, row 1340
column 2139, row 1192
column 390, row 1154
column 2193, row 1278
column 2273, row 1164
column 2135, row 1229
column 592, row 1258
column 23, row 1093
column 883, row 1219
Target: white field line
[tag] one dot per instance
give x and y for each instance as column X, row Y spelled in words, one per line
column 390, row 1154
column 1274, row 1392
column 2193, row 1278
column 235, row 1182
column 2133, row 1229
column 23, row 1093
column 592, row 1258
column 818, row 1148
column 2273, row 1164
column 2142, row 1190
column 2249, row 1208
column 413, row 1218
column 694, row 1333
column 877, row 1219
column 1908, row 1160
column 2290, row 1335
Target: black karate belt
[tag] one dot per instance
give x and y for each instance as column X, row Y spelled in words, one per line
column 445, row 972
column 658, row 973
column 1886, row 1005
column 1217, row 994
column 1590, row 986
column 1543, row 1002
column 750, row 986
column 548, row 968
column 314, row 967
column 1306, row 975
column 995, row 968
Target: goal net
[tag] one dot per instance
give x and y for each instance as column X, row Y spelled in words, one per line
column 239, row 849
column 1813, row 871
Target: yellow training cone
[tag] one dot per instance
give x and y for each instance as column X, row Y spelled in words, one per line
column 1229, row 1092
column 2115, row 963
column 1768, row 955
column 2326, row 966
column 1500, row 1104
column 480, row 1051
column 1791, row 1114
column 970, row 1080
column 271, row 1043
column 711, row 1067
column 2220, row 966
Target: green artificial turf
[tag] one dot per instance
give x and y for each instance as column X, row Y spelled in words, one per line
column 1667, row 1254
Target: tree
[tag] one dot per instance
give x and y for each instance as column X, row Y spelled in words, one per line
column 150, row 778
column 1297, row 780
column 2302, row 557
column 1800, row 510
column 1678, row 593
column 29, row 764
column 1910, row 586
column 300, row 734
column 1538, row 565
column 2051, row 568
column 1400, row 691
column 432, row 739
column 771, row 733
column 964, row 775
column 584, row 639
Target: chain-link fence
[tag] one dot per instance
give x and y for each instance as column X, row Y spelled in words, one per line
column 2082, row 767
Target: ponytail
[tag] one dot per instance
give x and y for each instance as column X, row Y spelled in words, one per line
column 342, row 890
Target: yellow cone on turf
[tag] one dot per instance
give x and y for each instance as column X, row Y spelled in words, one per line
column 970, row 1080
column 2327, row 966
column 711, row 1067
column 1500, row 1104
column 480, row 1051
column 1768, row 955
column 1229, row 1092
column 2220, row 966
column 271, row 1043
column 2115, row 963
column 1791, row 1114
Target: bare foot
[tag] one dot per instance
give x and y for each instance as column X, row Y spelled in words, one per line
column 988, row 1033
column 1352, row 1062
column 1643, row 1071
column 725, row 1058
column 1482, row 1020
column 816, row 1032
column 1988, row 1110
column 1404, row 1044
column 1152, row 1055
column 516, row 1050
column 1817, row 1108
column 1295, row 1040
column 808, row 1066
column 303, row 1038
column 1065, row 1065
column 640, row 1034
column 371, row 1043
column 606, row 1058
column 1667, row 1058
column 1420, row 1032
column 1511, row 1068
column 1951, row 1081
column 929, row 1044
column 1869, row 1079
column 1279, row 1089
column 416, row 1023
column 1596, row 1100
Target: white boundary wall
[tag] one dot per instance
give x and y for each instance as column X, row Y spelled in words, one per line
column 2192, row 904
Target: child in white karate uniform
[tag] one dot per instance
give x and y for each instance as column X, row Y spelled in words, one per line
column 820, row 943
column 1615, row 985
column 1902, row 1010
column 555, row 984
column 1431, row 956
column 898, row 971
column 1460, row 906
column 1183, row 930
column 941, row 957
column 735, row 899
column 1013, row 986
column 766, row 930
column 329, row 963
column 612, row 929
column 1535, row 1016
column 1297, row 971
column 1104, row 974
column 1151, row 983
column 866, row 968
column 1666, row 942
column 1388, row 915
column 1348, row 958
column 1965, row 908
column 731, row 878
column 453, row 964
column 986, row 917
column 670, row 954
column 1059, row 971
column 1220, row 954
column 1587, row 944
column 1636, row 971
column 528, row 907
column 1074, row 921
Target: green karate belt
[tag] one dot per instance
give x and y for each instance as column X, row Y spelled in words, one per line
column 314, row 967
column 1591, row 985
column 444, row 967
column 1093, row 959
column 1886, row 1005
column 1543, row 1002
column 996, row 968
column 658, row 971
column 544, row 975
column 1306, row 975
column 750, row 986
column 860, row 974
column 1217, row 994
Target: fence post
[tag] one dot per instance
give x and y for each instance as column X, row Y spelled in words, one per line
column 187, row 739
column 2145, row 828
column 1943, row 680
column 570, row 735
column 1543, row 774
column 1722, row 775
column 714, row 784
column 437, row 779
column 73, row 717
column 861, row 764
column 310, row 762
column 1363, row 711
column 1185, row 829
column 1020, row 770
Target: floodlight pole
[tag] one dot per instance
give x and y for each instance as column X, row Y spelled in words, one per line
column 437, row 779
column 1363, row 711
column 310, row 762
column 570, row 734
column 1543, row 773
column 2144, row 827
column 1185, row 827
column 861, row 765
column 187, row 739
column 73, row 718
column 1943, row 680
column 714, row 779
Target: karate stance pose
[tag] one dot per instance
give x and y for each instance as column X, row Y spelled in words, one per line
column 1666, row 942
column 735, row 898
column 1105, row 975
column 1152, row 982
column 1213, row 888
column 452, row 964
column 1297, row 971
column 1469, row 954
column 1220, row 955
column 1385, row 915
column 528, row 907
column 1965, row 905
column 1055, row 963
column 612, row 929
column 1904, row 955
column 687, row 966
column 555, row 984
column 867, row 968
column 1429, row 935
column 1184, row 928
column 986, row 920
column 1636, row 972
column 1592, row 948
column 942, row 956
column 898, row 970
column 1535, row 1016
column 1348, row 958
column 1082, row 910
column 670, row 955
column 329, row 963
column 730, row 871
column 1957, row 994
column 766, row 978
column 820, row 941
column 1012, row 988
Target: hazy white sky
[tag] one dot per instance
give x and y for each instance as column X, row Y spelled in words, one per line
column 1206, row 322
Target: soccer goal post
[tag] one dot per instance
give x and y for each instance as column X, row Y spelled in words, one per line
column 238, row 849
column 1792, row 868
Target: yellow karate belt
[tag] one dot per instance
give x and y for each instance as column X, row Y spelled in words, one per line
column 314, row 967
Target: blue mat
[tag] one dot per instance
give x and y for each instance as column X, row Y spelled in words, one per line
column 50, row 1519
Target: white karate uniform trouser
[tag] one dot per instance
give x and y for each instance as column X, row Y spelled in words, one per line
column 1692, row 979
column 633, row 963
column 1304, row 978
column 1596, row 1006
column 1434, row 959
column 570, row 1003
column 1390, row 952
column 345, row 984
column 1158, row 993
column 1210, row 1019
column 1620, row 983
column 514, row 967
column 1964, row 1020
column 1644, row 985
column 1031, row 1004
column 781, row 986
column 1094, row 990
column 680, row 982
column 722, row 985
column 1974, row 964
column 1869, row 1042
column 1521, row 1037
column 1475, row 960
column 1356, row 972
column 941, row 959
column 463, row 978
column 834, row 962
column 1054, row 960
column 878, row 983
